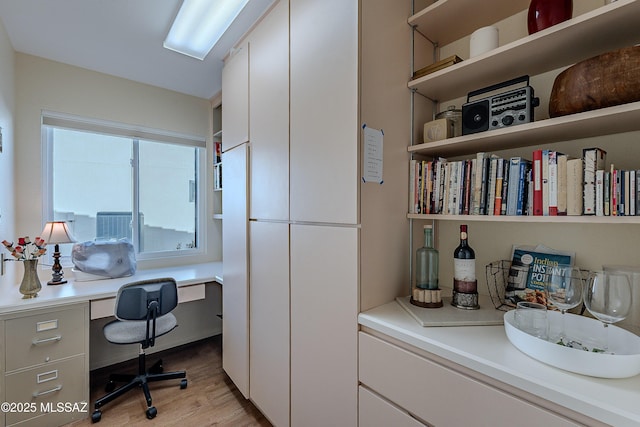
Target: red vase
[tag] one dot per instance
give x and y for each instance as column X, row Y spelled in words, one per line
column 546, row 13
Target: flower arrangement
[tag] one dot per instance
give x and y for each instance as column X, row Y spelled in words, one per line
column 26, row 250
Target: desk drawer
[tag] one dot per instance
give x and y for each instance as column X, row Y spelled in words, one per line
column 44, row 388
column 442, row 396
column 106, row 307
column 44, row 337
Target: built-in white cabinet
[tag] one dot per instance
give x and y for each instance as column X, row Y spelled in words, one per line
column 235, row 97
column 324, row 111
column 269, row 124
column 269, row 319
column 439, row 395
column 375, row 411
column 305, row 194
column 324, row 325
column 235, row 292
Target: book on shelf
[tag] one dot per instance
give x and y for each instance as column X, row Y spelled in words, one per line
column 632, row 192
column 512, row 194
column 594, row 159
column 537, row 182
column 562, row 183
column 491, row 188
column 600, row 192
column 505, row 187
column 436, row 66
column 217, row 152
column 545, row 182
column 217, row 176
column 553, row 182
column 606, row 196
column 488, row 184
column 497, row 205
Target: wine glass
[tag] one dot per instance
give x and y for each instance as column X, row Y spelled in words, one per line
column 608, row 298
column 564, row 288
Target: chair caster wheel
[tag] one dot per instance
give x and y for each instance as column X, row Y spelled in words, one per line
column 111, row 385
column 96, row 416
column 183, row 384
column 152, row 412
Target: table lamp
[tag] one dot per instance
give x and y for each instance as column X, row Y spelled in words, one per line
column 56, row 232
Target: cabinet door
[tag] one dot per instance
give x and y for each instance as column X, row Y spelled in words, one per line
column 324, row 324
column 235, row 98
column 324, row 111
column 235, row 299
column 269, row 124
column 374, row 411
column 269, row 319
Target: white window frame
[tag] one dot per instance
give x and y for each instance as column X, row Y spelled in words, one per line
column 67, row 121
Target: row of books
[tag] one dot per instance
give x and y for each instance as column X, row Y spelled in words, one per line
column 551, row 183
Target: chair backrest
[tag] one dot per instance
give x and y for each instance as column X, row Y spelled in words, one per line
column 135, row 299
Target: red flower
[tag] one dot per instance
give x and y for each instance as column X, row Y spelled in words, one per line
column 25, row 249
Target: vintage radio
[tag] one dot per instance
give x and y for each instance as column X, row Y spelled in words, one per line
column 499, row 110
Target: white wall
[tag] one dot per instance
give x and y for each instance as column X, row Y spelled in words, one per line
column 7, row 114
column 46, row 85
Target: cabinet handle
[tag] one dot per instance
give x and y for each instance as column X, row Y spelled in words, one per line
column 47, row 340
column 42, row 393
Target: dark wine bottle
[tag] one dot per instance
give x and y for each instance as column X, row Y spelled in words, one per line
column 464, row 265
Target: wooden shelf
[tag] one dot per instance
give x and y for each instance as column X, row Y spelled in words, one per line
column 434, row 22
column 584, row 219
column 606, row 121
column 595, row 32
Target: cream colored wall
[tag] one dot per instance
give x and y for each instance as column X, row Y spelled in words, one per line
column 7, row 170
column 384, row 104
column 46, row 85
column 594, row 245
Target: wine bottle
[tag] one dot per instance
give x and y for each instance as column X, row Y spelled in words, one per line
column 464, row 265
column 427, row 262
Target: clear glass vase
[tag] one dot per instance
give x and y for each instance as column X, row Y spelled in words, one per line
column 30, row 285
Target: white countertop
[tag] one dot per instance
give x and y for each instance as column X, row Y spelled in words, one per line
column 486, row 349
column 76, row 291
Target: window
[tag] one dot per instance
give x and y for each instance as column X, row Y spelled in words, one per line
column 109, row 181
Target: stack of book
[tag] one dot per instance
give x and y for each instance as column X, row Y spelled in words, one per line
column 551, row 183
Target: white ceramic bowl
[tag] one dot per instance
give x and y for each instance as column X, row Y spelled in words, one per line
column 625, row 362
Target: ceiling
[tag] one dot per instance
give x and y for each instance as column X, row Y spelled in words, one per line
column 122, row 38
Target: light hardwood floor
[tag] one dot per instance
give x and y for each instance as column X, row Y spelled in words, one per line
column 211, row 398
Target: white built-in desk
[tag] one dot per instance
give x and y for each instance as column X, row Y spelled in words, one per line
column 96, row 290
column 46, row 342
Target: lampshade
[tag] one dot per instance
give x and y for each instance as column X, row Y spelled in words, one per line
column 200, row 24
column 56, row 232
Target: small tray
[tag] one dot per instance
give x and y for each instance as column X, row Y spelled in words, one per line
column 624, row 363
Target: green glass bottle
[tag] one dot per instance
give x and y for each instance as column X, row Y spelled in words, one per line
column 427, row 262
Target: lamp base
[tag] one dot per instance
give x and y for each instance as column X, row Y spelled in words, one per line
column 58, row 282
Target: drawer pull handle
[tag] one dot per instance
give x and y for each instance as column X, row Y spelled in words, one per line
column 43, row 393
column 47, row 340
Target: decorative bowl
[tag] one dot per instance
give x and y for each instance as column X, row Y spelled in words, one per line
column 621, row 361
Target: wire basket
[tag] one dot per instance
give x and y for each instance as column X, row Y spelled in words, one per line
column 500, row 273
column 497, row 274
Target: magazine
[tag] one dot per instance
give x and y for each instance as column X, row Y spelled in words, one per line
column 529, row 268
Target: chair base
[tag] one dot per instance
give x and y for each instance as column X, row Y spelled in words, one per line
column 142, row 379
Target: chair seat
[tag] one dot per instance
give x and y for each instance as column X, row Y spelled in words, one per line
column 130, row 332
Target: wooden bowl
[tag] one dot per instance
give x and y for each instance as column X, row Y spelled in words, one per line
column 609, row 79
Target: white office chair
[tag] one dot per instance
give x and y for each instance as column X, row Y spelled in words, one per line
column 142, row 313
